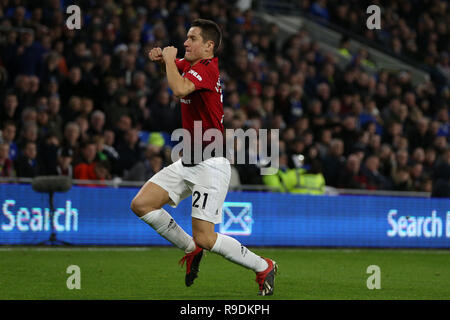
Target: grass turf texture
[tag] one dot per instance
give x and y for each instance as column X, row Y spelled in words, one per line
column 153, row 273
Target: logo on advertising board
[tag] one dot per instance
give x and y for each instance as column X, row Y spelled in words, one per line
column 237, row 218
column 411, row 226
column 38, row 219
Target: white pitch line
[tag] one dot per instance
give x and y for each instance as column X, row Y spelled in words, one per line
column 345, row 250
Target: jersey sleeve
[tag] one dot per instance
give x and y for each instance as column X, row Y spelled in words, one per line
column 203, row 75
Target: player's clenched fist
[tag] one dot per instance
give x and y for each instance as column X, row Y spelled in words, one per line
column 169, row 53
column 156, row 55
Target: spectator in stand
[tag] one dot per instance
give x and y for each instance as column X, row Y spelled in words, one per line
column 121, row 107
column 83, row 124
column 351, row 177
column 375, row 180
column 50, row 71
column 349, row 133
column 109, row 142
column 29, row 133
column 47, row 154
column 28, row 56
column 98, row 171
column 296, row 147
column 130, row 151
column 27, row 165
column 21, row 89
column 417, row 176
column 394, row 130
column 402, row 180
column 374, row 145
column 6, row 164
column 441, row 187
column 97, row 123
column 123, row 125
column 29, row 115
column 34, row 85
column 65, row 159
column 440, row 143
column 145, row 169
column 420, row 136
column 110, row 87
column 10, row 111
column 102, row 170
column 387, row 160
column 280, row 182
column 333, row 162
column 71, row 136
column 106, row 153
column 42, row 121
column 85, row 163
column 8, row 137
column 55, row 120
column 429, row 162
column 73, row 109
column 164, row 116
column 323, row 145
column 87, row 106
column 72, row 85
column 418, row 155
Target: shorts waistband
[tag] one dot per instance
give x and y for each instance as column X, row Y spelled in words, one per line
column 193, row 163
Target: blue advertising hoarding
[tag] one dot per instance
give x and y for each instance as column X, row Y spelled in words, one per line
column 102, row 216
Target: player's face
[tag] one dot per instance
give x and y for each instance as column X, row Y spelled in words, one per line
column 196, row 49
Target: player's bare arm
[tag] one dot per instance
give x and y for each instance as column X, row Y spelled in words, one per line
column 180, row 86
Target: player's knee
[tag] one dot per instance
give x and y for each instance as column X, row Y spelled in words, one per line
column 204, row 240
column 136, row 207
column 141, row 206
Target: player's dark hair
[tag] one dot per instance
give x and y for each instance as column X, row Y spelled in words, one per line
column 210, row 31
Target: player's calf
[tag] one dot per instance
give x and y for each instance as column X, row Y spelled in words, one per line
column 205, row 240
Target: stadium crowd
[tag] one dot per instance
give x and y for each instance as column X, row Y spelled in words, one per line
column 416, row 29
column 74, row 102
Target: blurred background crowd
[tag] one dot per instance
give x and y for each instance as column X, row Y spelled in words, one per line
column 88, row 103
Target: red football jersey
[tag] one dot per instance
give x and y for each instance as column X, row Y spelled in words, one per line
column 205, row 104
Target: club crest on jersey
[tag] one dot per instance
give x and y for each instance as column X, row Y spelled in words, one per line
column 195, row 74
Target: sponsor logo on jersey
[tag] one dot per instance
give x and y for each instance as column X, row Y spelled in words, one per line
column 195, row 74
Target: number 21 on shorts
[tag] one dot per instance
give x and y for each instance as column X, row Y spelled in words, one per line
column 196, row 197
column 204, row 203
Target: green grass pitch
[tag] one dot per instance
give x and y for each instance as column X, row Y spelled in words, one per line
column 154, row 273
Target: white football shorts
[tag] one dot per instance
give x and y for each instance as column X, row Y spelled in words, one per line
column 207, row 182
